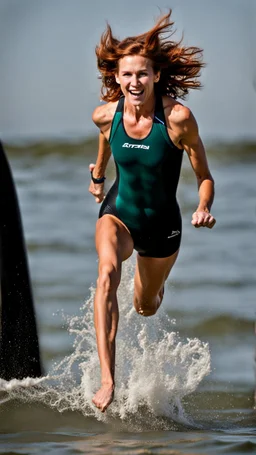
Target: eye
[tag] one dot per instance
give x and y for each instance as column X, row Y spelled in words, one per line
column 127, row 74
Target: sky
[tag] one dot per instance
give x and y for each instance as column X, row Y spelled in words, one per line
column 49, row 80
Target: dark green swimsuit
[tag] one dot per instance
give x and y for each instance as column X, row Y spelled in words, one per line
column 143, row 196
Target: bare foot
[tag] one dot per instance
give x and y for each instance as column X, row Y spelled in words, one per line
column 104, row 397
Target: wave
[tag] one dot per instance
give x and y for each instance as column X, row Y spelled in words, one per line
column 155, row 368
column 233, row 151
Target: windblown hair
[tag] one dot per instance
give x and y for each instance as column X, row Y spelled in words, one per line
column 179, row 65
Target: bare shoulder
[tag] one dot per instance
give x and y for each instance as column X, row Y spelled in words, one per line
column 103, row 115
column 178, row 116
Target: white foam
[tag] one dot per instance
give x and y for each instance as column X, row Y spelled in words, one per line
column 155, row 369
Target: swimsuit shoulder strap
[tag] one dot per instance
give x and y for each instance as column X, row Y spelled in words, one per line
column 159, row 120
column 117, row 118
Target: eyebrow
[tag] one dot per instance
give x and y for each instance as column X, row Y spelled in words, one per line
column 139, row 71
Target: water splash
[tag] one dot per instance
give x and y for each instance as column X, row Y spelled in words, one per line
column 155, row 369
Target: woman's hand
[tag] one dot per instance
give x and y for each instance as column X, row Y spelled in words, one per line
column 202, row 218
column 96, row 189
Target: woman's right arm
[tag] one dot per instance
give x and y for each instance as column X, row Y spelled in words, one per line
column 98, row 170
column 102, row 117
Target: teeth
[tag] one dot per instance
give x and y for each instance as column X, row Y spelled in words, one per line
column 133, row 92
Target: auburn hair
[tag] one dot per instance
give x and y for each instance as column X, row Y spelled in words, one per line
column 179, row 65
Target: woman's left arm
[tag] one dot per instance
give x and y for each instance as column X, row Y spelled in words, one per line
column 192, row 144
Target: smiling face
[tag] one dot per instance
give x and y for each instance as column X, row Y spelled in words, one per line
column 136, row 78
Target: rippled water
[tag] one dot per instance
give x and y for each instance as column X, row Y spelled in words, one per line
column 185, row 378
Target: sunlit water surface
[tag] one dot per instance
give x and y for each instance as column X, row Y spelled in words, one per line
column 184, row 378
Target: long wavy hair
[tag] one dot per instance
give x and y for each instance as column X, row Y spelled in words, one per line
column 179, row 65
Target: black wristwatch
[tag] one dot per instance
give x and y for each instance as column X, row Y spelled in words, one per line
column 101, row 180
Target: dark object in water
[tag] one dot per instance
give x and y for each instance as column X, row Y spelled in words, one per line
column 19, row 347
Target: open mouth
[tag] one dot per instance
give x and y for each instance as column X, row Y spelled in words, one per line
column 136, row 92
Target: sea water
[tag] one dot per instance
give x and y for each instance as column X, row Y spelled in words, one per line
column 185, row 377
column 155, row 368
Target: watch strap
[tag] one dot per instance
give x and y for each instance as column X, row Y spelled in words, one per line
column 100, row 180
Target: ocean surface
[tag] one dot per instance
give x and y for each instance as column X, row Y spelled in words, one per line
column 185, row 378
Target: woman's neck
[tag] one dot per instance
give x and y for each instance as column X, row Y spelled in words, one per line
column 143, row 110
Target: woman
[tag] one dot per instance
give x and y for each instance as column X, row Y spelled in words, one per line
column 146, row 129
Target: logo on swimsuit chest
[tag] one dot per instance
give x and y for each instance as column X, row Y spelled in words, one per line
column 135, row 146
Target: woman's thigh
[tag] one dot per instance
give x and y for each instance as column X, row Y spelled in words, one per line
column 113, row 240
column 150, row 275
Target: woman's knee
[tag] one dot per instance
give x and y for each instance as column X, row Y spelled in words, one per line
column 146, row 308
column 109, row 278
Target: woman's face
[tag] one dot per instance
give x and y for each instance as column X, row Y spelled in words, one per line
column 136, row 78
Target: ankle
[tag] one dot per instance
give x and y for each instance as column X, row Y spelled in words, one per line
column 108, row 384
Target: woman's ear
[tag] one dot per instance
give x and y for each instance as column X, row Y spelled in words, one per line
column 157, row 76
column 117, row 79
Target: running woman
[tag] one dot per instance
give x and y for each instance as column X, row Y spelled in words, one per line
column 146, row 129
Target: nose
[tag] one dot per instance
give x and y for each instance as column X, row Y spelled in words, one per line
column 134, row 80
